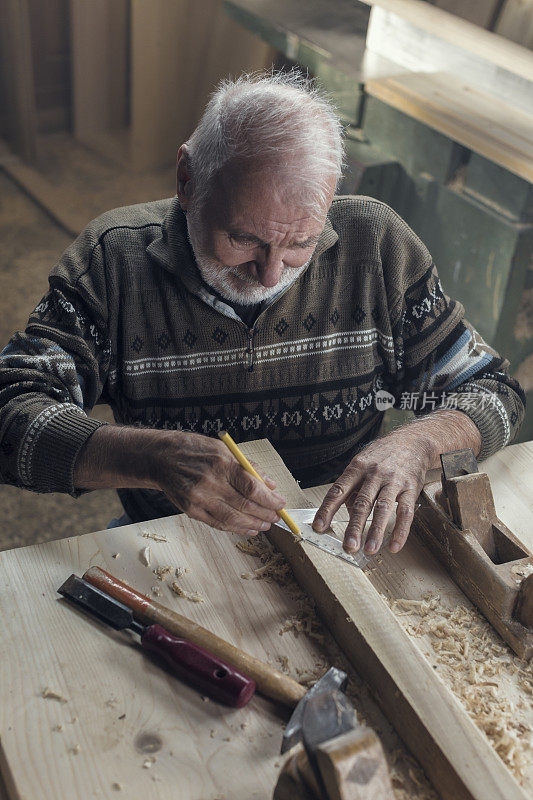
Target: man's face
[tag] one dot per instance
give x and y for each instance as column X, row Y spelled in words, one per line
column 250, row 241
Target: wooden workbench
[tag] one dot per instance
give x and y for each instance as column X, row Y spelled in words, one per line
column 124, row 725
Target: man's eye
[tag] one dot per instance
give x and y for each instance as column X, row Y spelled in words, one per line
column 240, row 241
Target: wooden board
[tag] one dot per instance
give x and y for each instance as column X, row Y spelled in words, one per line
column 199, row 747
column 457, row 757
column 486, row 125
column 15, row 49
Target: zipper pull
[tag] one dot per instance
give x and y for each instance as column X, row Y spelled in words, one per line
column 250, row 351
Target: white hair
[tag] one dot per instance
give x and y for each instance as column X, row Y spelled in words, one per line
column 279, row 119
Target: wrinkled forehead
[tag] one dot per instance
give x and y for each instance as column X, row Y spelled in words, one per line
column 262, row 190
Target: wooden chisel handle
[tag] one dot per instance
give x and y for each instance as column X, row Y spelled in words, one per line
column 269, row 681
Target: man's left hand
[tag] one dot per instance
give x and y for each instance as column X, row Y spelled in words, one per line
column 387, row 471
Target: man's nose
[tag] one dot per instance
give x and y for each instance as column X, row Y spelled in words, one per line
column 269, row 266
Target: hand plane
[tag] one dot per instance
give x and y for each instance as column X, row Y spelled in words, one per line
column 457, row 519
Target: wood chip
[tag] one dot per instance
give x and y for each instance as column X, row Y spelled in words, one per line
column 194, row 597
column 162, row 572
column 116, row 555
column 75, row 750
column 53, row 694
column 117, row 787
column 154, row 536
column 156, row 590
column 145, row 556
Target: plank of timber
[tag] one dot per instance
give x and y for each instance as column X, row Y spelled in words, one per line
column 20, row 106
column 99, row 43
column 457, row 757
column 121, row 706
column 178, row 53
column 498, row 131
column 460, row 33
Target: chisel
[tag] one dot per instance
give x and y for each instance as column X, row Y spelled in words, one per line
column 190, row 662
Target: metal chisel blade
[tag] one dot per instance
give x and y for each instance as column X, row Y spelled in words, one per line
column 325, row 541
column 97, row 603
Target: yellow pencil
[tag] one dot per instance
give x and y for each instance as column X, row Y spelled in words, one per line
column 243, row 461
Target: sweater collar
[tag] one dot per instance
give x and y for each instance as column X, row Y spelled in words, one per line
column 173, row 250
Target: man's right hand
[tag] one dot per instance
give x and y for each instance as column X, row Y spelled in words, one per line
column 198, row 474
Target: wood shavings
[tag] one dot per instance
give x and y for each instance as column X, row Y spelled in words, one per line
column 111, row 702
column 283, row 661
column 148, row 762
column 53, row 694
column 156, row 590
column 156, row 537
column 305, row 623
column 145, row 556
column 194, row 597
column 57, row 728
column 75, row 750
column 212, row 733
column 163, row 572
column 471, row 657
column 116, row 555
column 274, row 566
column 117, row 787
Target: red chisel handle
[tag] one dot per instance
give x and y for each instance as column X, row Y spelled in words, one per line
column 197, row 666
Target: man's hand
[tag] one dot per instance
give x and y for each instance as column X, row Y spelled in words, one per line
column 197, row 473
column 392, row 470
column 201, row 477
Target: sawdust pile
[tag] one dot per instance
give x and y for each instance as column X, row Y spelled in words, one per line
column 472, row 660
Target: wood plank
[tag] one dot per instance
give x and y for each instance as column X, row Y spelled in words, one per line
column 458, row 759
column 497, row 131
column 103, row 675
column 459, row 33
column 18, row 66
column 178, row 52
column 99, row 41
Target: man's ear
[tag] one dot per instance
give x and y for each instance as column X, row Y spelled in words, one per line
column 183, row 177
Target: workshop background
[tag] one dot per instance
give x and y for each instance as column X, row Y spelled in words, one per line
column 95, row 98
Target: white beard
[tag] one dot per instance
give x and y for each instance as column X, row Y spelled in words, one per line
column 227, row 281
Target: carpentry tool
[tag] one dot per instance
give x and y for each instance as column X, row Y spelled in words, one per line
column 328, row 541
column 270, row 682
column 243, row 461
column 339, row 760
column 191, row 663
column 457, row 520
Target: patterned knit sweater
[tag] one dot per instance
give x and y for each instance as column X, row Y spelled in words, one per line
column 128, row 321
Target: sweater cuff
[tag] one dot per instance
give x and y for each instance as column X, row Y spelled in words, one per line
column 490, row 416
column 48, row 458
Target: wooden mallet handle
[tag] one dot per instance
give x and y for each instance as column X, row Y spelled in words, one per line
column 269, row 681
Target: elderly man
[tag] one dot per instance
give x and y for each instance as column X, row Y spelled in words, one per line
column 256, row 301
